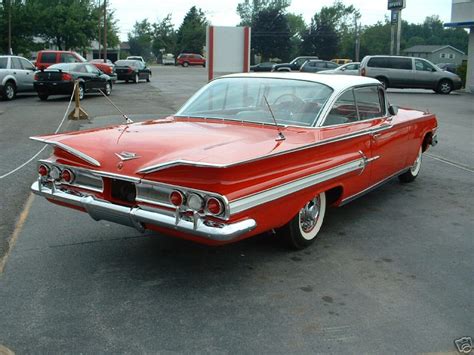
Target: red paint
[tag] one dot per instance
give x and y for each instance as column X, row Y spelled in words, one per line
column 246, row 67
column 210, row 54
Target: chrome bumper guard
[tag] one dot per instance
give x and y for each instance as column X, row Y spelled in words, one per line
column 136, row 216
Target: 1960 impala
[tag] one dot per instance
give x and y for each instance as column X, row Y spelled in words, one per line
column 246, row 154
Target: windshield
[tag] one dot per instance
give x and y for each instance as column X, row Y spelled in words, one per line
column 293, row 102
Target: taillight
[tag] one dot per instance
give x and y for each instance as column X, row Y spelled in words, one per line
column 66, row 77
column 43, row 170
column 195, row 202
column 214, row 206
column 362, row 72
column 67, row 176
column 176, row 198
column 36, row 77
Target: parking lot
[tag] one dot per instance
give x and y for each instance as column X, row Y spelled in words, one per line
column 391, row 272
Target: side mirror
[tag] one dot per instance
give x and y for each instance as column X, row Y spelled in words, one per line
column 393, row 110
column 343, row 69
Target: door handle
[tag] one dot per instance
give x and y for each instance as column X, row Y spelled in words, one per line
column 376, row 135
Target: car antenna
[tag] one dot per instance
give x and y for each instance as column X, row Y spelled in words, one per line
column 281, row 136
column 127, row 120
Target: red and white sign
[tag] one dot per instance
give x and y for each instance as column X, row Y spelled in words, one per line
column 228, row 50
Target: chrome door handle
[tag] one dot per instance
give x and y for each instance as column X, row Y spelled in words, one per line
column 376, row 135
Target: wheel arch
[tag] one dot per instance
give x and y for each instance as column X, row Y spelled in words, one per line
column 428, row 136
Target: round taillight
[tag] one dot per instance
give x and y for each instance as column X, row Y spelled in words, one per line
column 43, row 170
column 67, row 175
column 55, row 173
column 195, row 202
column 176, row 198
column 214, row 206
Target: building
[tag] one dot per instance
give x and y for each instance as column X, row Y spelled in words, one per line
column 462, row 15
column 437, row 53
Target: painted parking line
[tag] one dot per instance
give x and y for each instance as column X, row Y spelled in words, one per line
column 450, row 162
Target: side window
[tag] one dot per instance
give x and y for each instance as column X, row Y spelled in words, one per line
column 81, row 68
column 377, row 62
column 368, row 102
column 15, row 63
column 332, row 65
column 91, row 69
column 422, row 65
column 26, row 64
column 343, row 110
column 67, row 58
column 400, row 63
column 48, row 58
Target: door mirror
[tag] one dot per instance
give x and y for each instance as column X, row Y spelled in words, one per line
column 343, row 69
column 393, row 110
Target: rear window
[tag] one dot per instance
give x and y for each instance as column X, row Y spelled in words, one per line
column 65, row 66
column 126, row 63
column 3, row 63
column 48, row 58
column 390, row 63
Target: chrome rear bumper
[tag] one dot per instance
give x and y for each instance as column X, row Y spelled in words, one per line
column 136, row 216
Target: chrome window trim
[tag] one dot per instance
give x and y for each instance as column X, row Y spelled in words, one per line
column 68, row 149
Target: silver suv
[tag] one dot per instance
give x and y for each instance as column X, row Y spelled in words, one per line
column 409, row 72
column 16, row 75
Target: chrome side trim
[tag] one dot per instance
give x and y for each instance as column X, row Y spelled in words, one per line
column 135, row 217
column 166, row 165
column 289, row 188
column 68, row 149
column 372, row 187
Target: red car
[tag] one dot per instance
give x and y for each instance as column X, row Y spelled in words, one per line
column 49, row 57
column 246, row 154
column 186, row 59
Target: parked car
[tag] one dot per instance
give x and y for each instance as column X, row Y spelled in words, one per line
column 451, row 67
column 134, row 70
column 58, row 79
column 16, row 75
column 49, row 57
column 168, row 59
column 295, row 64
column 314, row 66
column 340, row 61
column 246, row 154
column 187, row 59
column 265, row 66
column 136, row 57
column 409, row 72
column 346, row 69
column 106, row 66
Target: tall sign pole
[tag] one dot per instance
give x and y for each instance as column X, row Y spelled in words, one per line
column 396, row 7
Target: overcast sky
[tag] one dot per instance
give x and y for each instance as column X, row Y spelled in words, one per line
column 222, row 12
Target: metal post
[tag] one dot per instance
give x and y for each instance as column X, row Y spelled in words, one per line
column 10, row 27
column 105, row 31
column 399, row 30
column 100, row 36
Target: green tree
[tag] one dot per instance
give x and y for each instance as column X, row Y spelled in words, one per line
column 22, row 26
column 297, row 27
column 140, row 39
column 248, row 9
column 375, row 39
column 191, row 35
column 112, row 28
column 164, row 36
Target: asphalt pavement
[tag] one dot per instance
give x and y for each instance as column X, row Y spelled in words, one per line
column 391, row 272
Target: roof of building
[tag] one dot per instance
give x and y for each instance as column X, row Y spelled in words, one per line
column 432, row 48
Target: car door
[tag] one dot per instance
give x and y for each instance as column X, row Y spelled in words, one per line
column 425, row 74
column 388, row 138
column 95, row 78
column 20, row 74
column 29, row 74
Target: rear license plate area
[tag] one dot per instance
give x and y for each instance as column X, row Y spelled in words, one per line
column 123, row 191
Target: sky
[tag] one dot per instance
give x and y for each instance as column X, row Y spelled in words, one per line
column 222, row 12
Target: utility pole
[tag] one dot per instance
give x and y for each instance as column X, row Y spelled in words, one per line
column 105, row 31
column 99, row 38
column 357, row 39
column 10, row 51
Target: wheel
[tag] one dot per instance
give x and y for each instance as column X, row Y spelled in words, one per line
column 43, row 97
column 81, row 91
column 444, row 87
column 135, row 80
column 384, row 82
column 9, row 91
column 108, row 88
column 303, row 229
column 126, row 80
column 185, row 64
column 148, row 79
column 413, row 172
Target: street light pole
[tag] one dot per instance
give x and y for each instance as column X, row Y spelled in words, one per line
column 10, row 50
column 99, row 38
column 105, row 30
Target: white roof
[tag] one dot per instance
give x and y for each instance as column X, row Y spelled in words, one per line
column 337, row 82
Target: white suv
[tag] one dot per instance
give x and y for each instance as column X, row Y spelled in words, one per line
column 16, row 75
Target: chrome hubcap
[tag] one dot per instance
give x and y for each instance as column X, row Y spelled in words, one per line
column 107, row 89
column 10, row 91
column 445, row 87
column 81, row 92
column 309, row 215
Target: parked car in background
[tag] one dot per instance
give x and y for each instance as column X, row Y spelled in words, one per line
column 186, row 59
column 248, row 153
column 451, row 67
column 314, row 66
column 59, row 79
column 168, row 59
column 409, row 72
column 265, row 66
column 106, row 66
column 16, row 75
column 133, row 70
column 295, row 64
column 136, row 57
column 49, row 57
column 341, row 61
column 346, row 69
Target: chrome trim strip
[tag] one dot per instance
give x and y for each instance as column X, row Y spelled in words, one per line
column 68, row 149
column 136, row 217
column 371, row 188
column 166, row 165
column 289, row 188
